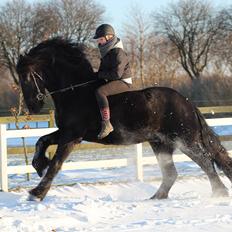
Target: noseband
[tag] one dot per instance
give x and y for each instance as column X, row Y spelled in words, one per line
column 41, row 96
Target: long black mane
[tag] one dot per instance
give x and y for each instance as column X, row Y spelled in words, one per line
column 63, row 48
column 67, row 55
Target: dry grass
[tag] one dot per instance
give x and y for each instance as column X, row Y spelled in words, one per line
column 209, row 91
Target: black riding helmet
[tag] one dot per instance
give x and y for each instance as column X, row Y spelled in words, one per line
column 103, row 30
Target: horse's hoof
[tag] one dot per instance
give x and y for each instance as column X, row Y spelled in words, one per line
column 220, row 193
column 160, row 195
column 33, row 198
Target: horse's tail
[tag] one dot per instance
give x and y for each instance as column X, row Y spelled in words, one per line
column 212, row 144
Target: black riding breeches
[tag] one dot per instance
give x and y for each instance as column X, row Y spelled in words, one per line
column 111, row 88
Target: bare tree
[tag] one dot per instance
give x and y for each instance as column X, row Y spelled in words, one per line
column 161, row 61
column 222, row 51
column 136, row 35
column 77, row 19
column 14, row 18
column 226, row 15
column 22, row 25
column 192, row 26
column 131, row 48
column 44, row 23
column 152, row 58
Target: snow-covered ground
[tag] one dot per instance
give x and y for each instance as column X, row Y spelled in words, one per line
column 118, row 204
column 118, row 207
column 111, row 200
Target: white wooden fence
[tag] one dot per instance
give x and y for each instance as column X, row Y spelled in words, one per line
column 139, row 160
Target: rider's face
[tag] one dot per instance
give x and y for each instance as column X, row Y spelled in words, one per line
column 101, row 41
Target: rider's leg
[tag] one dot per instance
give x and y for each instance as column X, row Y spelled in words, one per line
column 110, row 88
column 105, row 112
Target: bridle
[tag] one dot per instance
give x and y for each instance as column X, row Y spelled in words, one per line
column 41, row 96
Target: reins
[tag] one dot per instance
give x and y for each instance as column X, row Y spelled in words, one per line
column 40, row 96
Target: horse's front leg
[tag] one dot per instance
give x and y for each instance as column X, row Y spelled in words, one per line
column 63, row 150
column 40, row 162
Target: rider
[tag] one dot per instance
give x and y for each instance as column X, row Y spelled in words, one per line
column 114, row 69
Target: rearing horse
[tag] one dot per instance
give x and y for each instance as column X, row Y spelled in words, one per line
column 160, row 116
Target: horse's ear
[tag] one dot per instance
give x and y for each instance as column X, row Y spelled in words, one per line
column 21, row 57
column 19, row 60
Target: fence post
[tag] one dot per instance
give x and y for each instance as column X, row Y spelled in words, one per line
column 51, row 118
column 3, row 158
column 51, row 124
column 139, row 161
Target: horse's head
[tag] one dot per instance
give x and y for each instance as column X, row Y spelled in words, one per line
column 32, row 84
column 53, row 64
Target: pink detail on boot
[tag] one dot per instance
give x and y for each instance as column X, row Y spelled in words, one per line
column 105, row 114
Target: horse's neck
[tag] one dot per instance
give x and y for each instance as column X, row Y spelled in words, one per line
column 79, row 94
column 66, row 75
column 69, row 74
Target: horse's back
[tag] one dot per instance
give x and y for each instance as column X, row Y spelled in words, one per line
column 141, row 115
column 163, row 93
column 156, row 99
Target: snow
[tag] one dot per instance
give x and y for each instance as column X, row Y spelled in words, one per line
column 106, row 200
column 118, row 207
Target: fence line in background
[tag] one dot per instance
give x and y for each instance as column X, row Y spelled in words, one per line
column 3, row 158
column 138, row 160
column 50, row 117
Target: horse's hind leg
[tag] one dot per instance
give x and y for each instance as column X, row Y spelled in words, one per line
column 40, row 162
column 163, row 154
column 224, row 162
column 200, row 156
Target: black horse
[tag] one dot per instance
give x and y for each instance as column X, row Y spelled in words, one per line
column 161, row 116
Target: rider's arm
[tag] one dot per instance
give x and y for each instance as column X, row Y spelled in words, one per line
column 116, row 66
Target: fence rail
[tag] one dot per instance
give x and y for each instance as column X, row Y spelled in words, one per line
column 51, row 123
column 215, row 109
column 50, row 117
column 139, row 160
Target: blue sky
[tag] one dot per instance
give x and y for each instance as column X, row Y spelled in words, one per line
column 117, row 11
